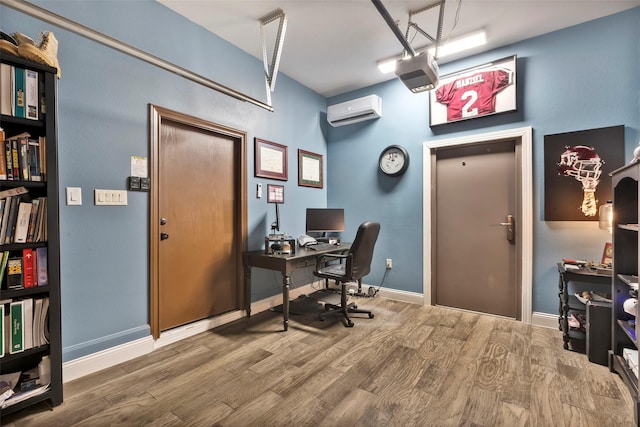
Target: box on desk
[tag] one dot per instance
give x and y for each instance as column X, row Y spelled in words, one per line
column 279, row 244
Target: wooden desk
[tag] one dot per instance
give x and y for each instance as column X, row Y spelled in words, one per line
column 601, row 282
column 285, row 264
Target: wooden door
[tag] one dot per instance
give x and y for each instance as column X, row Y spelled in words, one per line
column 198, row 230
column 476, row 261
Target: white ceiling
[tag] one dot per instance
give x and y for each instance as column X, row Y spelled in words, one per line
column 332, row 46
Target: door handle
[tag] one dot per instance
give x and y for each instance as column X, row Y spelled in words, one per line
column 164, row 236
column 511, row 228
column 163, row 221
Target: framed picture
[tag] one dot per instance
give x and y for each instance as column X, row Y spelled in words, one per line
column 474, row 92
column 576, row 172
column 310, row 169
column 607, row 254
column 270, row 160
column 275, row 193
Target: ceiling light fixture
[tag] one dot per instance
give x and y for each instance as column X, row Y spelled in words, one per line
column 460, row 44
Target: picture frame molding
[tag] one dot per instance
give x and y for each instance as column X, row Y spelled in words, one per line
column 271, row 160
column 310, row 169
column 505, row 101
column 275, row 193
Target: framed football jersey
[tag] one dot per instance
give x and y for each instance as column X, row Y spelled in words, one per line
column 475, row 92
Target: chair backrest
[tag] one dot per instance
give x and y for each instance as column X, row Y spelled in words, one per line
column 362, row 249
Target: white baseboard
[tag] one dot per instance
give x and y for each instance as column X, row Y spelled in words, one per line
column 122, row 353
column 545, row 320
column 105, row 359
column 98, row 361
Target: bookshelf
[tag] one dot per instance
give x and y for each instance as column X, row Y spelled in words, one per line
column 42, row 129
column 625, row 276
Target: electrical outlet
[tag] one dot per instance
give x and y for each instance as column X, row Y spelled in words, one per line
column 259, row 191
column 389, row 263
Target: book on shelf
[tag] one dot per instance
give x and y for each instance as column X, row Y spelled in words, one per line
column 11, row 220
column 8, row 159
column 14, row 273
column 28, row 268
column 3, row 163
column 22, row 222
column 17, row 327
column 5, row 219
column 4, row 257
column 19, row 91
column 41, row 266
column 2, row 329
column 27, row 309
column 15, row 158
column 6, row 89
column 35, row 171
column 31, row 95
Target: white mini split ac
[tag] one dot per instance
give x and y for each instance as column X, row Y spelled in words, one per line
column 354, row 111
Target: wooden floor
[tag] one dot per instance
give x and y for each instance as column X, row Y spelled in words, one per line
column 409, row 366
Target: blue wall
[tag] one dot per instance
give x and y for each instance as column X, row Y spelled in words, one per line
column 103, row 121
column 579, row 78
column 103, row 103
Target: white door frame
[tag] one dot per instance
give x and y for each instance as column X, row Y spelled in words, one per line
column 523, row 136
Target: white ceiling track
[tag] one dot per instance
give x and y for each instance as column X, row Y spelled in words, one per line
column 271, row 69
column 67, row 24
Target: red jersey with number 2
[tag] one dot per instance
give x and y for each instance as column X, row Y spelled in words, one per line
column 472, row 95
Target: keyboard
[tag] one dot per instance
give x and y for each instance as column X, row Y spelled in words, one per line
column 321, row 246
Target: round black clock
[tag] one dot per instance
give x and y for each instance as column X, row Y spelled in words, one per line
column 394, row 160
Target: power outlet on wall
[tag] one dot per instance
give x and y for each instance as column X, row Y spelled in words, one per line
column 389, row 263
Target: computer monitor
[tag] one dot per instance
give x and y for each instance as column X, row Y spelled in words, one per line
column 324, row 220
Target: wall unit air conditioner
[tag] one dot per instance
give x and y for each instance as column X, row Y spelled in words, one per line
column 354, row 111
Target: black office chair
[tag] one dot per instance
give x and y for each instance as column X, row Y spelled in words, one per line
column 353, row 266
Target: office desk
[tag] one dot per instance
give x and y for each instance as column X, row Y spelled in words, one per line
column 285, row 264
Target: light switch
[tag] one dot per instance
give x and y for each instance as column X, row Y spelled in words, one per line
column 74, row 196
column 110, row 197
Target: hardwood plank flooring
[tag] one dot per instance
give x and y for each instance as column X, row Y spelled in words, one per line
column 409, row 366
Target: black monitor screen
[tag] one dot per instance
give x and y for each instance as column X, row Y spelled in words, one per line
column 325, row 220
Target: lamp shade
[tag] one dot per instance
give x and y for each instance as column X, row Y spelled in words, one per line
column 606, row 216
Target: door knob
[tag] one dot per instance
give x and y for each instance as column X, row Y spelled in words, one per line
column 511, row 225
column 163, row 221
column 164, row 236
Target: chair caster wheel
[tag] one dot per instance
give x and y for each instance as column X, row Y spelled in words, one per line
column 354, row 306
column 370, row 315
column 349, row 324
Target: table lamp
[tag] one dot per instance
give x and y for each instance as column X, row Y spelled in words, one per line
column 606, row 216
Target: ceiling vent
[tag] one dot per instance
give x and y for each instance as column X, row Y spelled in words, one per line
column 354, row 111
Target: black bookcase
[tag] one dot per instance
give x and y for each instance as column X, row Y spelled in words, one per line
column 44, row 126
column 625, row 275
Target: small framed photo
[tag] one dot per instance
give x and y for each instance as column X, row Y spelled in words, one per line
column 479, row 91
column 270, row 160
column 310, row 169
column 607, row 254
column 275, row 193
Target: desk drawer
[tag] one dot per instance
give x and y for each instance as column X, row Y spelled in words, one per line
column 302, row 263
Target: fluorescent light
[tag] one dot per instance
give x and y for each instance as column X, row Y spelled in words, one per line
column 460, row 44
column 387, row 66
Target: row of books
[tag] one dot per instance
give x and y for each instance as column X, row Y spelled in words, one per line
column 23, row 221
column 24, row 324
column 26, row 271
column 19, row 94
column 24, row 158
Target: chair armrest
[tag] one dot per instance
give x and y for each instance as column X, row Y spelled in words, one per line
column 324, row 258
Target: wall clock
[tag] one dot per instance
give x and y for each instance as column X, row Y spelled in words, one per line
column 394, row 160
